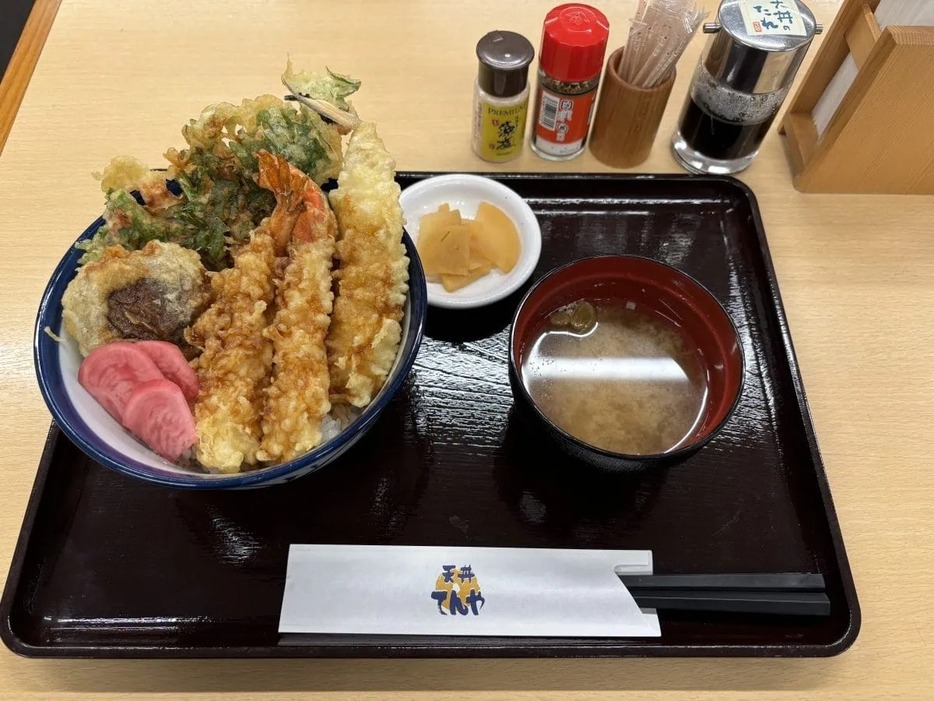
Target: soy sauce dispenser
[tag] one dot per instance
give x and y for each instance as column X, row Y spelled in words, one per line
column 743, row 76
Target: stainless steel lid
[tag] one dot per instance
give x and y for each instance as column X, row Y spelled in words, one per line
column 758, row 45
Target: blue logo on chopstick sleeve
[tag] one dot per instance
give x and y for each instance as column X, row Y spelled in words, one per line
column 457, row 591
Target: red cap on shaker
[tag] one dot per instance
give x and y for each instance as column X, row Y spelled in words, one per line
column 574, row 39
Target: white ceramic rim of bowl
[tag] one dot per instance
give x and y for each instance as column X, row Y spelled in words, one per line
column 464, row 191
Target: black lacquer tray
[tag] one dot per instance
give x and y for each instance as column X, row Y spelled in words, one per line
column 107, row 566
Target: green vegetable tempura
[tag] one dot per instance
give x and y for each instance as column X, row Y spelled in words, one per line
column 220, row 202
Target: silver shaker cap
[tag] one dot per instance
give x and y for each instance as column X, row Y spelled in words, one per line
column 751, row 61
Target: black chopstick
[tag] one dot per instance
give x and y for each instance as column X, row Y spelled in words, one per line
column 784, row 581
column 768, row 603
column 789, row 594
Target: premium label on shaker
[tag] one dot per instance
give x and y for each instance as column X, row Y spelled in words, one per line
column 501, row 130
column 772, row 17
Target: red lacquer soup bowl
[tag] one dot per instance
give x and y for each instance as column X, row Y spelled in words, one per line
column 665, row 296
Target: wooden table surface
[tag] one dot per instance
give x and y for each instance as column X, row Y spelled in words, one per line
column 855, row 272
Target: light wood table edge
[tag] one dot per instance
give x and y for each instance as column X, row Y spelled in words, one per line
column 23, row 62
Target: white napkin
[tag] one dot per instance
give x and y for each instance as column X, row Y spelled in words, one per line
column 415, row 590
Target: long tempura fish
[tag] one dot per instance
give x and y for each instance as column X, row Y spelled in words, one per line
column 297, row 398
column 237, row 358
column 372, row 277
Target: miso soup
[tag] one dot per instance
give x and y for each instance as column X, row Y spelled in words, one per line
column 617, row 377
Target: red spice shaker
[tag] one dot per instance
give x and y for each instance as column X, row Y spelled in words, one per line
column 574, row 39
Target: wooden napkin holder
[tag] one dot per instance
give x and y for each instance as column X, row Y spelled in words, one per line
column 881, row 138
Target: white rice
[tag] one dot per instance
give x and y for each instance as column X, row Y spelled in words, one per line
column 340, row 418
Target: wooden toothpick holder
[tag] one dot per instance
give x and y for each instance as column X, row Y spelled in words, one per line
column 881, row 138
column 627, row 118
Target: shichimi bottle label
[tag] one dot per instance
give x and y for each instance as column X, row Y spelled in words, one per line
column 563, row 121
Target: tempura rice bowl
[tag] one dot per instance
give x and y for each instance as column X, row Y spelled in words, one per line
column 88, row 425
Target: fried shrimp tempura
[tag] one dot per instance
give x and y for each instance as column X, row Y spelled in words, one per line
column 237, row 357
column 297, row 397
column 372, row 277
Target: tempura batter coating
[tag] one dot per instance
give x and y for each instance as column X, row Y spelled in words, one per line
column 237, row 357
column 372, row 277
column 175, row 275
column 297, row 398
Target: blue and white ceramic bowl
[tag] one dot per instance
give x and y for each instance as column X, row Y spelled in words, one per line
column 101, row 437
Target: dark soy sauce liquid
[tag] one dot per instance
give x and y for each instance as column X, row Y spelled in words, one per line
column 717, row 138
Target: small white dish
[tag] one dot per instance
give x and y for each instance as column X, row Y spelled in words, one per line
column 465, row 192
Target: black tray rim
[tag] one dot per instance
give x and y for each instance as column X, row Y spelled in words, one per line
column 423, row 648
